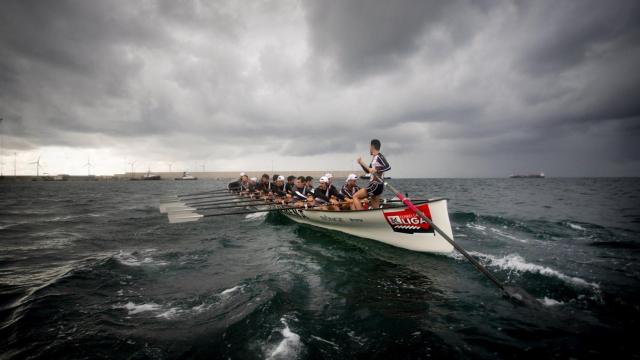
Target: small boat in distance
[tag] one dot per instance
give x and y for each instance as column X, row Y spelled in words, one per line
column 527, row 176
column 150, row 176
column 186, row 176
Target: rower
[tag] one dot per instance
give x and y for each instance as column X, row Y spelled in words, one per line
column 279, row 188
column 290, row 183
column 326, row 195
column 244, row 182
column 299, row 191
column 253, row 182
column 348, row 190
column 330, row 177
column 264, row 185
column 309, row 184
column 379, row 165
column 236, row 185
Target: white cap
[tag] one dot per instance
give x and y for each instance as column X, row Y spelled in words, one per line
column 254, row 179
column 323, row 179
column 329, row 175
column 352, row 177
column 243, row 174
column 280, row 178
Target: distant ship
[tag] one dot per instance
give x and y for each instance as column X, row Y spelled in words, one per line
column 150, row 176
column 186, row 176
column 527, row 176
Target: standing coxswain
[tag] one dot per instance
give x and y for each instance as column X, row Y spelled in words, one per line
column 378, row 166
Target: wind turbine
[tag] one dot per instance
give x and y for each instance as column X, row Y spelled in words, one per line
column 170, row 165
column 88, row 166
column 132, row 163
column 38, row 166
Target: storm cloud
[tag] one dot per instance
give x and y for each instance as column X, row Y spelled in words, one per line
column 455, row 88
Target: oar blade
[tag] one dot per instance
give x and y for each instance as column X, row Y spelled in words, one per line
column 174, row 209
column 164, row 206
column 184, row 218
column 181, row 212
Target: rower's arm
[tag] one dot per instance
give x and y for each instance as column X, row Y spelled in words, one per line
column 366, row 169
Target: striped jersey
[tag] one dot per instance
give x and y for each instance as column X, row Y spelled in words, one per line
column 380, row 163
column 348, row 194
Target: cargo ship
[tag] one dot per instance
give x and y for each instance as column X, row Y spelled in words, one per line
column 527, row 176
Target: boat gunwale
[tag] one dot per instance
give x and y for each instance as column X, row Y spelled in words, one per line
column 417, row 203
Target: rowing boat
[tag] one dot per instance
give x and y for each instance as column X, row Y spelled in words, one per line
column 393, row 225
column 419, row 225
column 422, row 228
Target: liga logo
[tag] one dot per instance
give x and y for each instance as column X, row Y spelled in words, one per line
column 408, row 222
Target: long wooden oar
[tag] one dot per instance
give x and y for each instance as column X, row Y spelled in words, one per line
column 211, row 201
column 187, row 209
column 191, row 216
column 512, row 292
column 214, row 196
column 179, row 202
column 196, row 217
column 205, row 192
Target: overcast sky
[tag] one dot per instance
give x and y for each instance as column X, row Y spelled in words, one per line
column 452, row 88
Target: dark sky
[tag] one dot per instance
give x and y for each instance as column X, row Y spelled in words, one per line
column 452, row 88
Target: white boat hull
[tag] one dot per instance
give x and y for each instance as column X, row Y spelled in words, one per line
column 397, row 226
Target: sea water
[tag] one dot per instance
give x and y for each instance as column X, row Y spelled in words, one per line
column 93, row 270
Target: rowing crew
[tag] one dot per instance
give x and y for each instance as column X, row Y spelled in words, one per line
column 299, row 191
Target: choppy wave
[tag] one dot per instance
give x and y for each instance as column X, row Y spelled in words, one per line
column 290, row 345
column 173, row 310
column 575, row 226
column 139, row 308
column 550, row 302
column 138, row 258
column 515, row 262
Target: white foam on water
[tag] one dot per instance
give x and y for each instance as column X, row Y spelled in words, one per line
column 289, row 347
column 136, row 309
column 63, row 218
column 130, row 259
column 576, row 226
column 507, row 235
column 231, row 290
column 201, row 308
column 476, row 226
column 516, row 262
column 6, row 226
column 255, row 216
column 550, row 302
column 169, row 314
